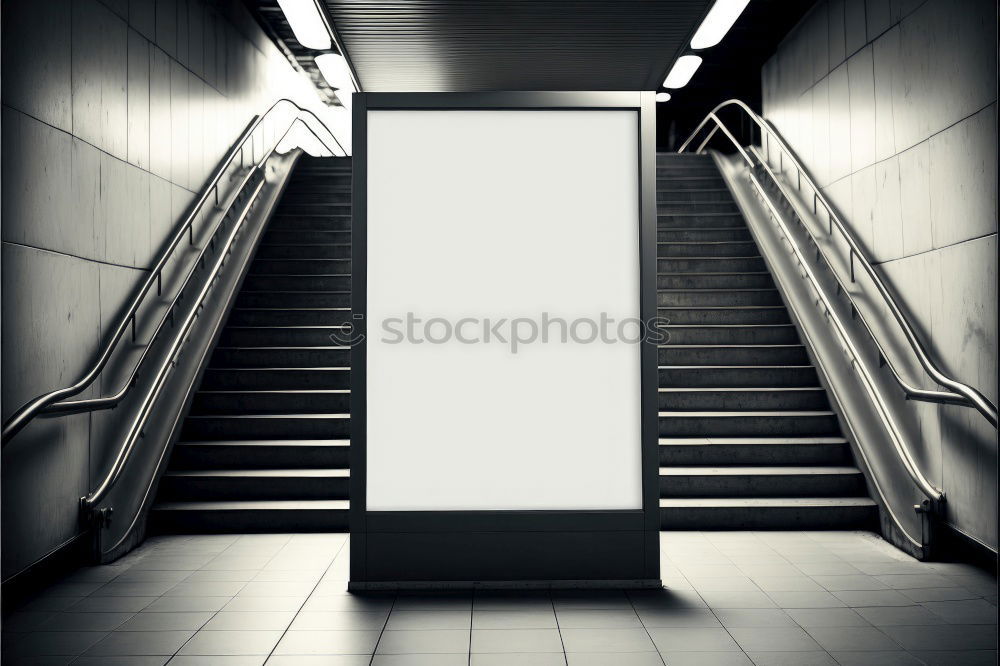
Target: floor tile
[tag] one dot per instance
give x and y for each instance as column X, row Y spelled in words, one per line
column 773, row 639
column 347, row 602
column 70, row 643
column 860, row 598
column 692, row 640
column 517, row 619
column 938, row 594
column 852, row 638
column 218, row 660
column 262, row 604
column 321, row 660
column 127, row 643
column 827, row 617
column 186, row 604
column 249, row 621
column 420, row 660
column 111, row 604
column 882, row 616
column 678, row 617
column 327, row 642
column 69, row 621
column 876, row 658
column 204, row 589
column 181, row 621
column 850, row 582
column 516, row 640
column 591, row 600
column 423, row 602
column 574, row 618
column 792, row 659
column 608, row 640
column 958, row 657
column 429, row 619
column 618, row 659
column 443, row 641
column 232, row 642
column 706, row 659
column 133, row 660
column 754, row 617
column 737, row 599
column 137, row 589
column 970, row 611
column 339, row 620
column 522, row 659
column 945, row 637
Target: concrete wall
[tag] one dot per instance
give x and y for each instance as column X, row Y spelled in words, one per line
column 892, row 107
column 114, row 114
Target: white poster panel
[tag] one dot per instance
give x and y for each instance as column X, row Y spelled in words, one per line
column 503, row 310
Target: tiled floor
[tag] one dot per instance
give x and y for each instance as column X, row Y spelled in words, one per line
column 764, row 598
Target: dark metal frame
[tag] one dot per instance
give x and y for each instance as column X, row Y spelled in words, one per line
column 414, row 549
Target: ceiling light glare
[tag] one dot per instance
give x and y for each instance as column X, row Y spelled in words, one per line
column 682, row 71
column 717, row 23
column 662, row 97
column 306, row 22
column 337, row 73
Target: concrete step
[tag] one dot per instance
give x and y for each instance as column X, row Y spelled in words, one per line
column 273, row 336
column 744, row 423
column 280, row 282
column 724, row 316
column 743, row 399
column 249, row 517
column 673, row 354
column 707, row 264
column 302, row 251
column 248, row 298
column 254, row 484
column 272, row 317
column 313, row 236
column 266, row 426
column 265, row 266
column 706, row 249
column 756, row 481
column 271, row 402
column 736, row 376
column 698, row 207
column 747, row 334
column 665, row 192
column 273, row 379
column 704, row 234
column 806, row 512
column 747, row 280
column 716, row 297
column 744, row 451
column 261, row 454
column 286, row 222
column 686, row 220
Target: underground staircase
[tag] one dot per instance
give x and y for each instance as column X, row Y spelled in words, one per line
column 264, row 447
column 747, row 436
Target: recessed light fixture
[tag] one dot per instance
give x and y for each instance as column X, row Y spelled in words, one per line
column 662, row 97
column 306, row 22
column 337, row 73
column 717, row 22
column 682, row 71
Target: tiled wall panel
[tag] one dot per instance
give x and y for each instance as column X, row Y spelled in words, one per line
column 903, row 142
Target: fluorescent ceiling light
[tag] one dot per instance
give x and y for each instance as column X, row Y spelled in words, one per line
column 337, row 73
column 682, row 71
column 662, row 97
column 309, row 27
column 717, row 23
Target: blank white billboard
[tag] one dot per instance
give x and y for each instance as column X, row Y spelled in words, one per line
column 481, row 223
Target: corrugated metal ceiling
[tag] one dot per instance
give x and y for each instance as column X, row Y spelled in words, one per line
column 456, row 45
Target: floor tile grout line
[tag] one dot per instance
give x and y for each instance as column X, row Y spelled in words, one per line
column 307, row 597
column 555, row 615
column 245, row 583
column 644, row 627
column 385, row 624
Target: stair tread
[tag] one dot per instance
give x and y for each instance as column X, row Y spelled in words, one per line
column 261, row 473
column 747, row 389
column 255, row 505
column 279, row 391
column 743, row 414
column 257, row 369
column 757, row 470
column 716, row 307
column 332, row 443
column 283, row 347
column 789, row 502
column 269, row 416
column 713, row 290
column 730, row 367
column 697, row 346
column 748, row 441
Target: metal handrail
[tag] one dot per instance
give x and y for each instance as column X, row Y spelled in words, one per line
column 958, row 393
column 55, row 401
column 136, row 430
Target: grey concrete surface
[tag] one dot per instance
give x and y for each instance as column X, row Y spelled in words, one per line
column 114, row 114
column 892, row 107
